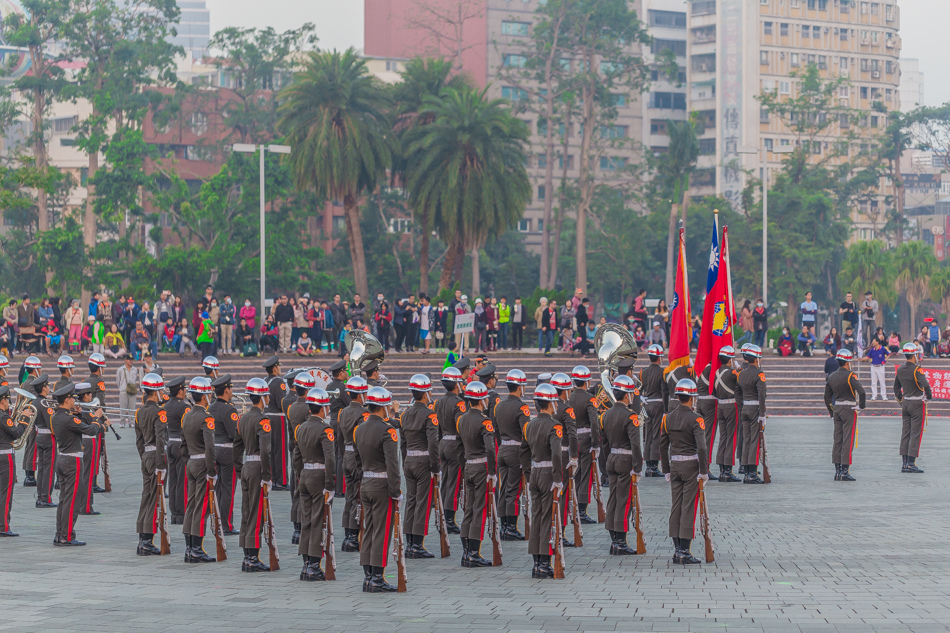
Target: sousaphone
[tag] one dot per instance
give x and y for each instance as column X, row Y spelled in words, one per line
column 613, row 343
column 363, row 348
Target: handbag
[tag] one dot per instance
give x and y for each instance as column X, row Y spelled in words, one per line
column 249, row 349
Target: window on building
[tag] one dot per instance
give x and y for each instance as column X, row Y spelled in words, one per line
column 815, row 32
column 540, row 225
column 768, row 28
column 785, row 87
column 865, row 65
column 541, row 192
column 613, row 131
column 392, row 66
column 542, row 161
column 658, row 126
column 707, row 146
column 678, row 47
column 864, row 92
column 864, row 8
column 794, row 59
column 400, row 225
column 875, row 8
column 67, row 142
column 509, row 27
column 764, row 58
column 669, row 19
column 570, row 162
column 524, row 226
column 874, row 121
column 704, row 7
column 510, row 60
column 783, row 29
column 65, row 124
column 889, row 67
column 704, row 63
column 763, row 115
column 769, row 144
column 822, row 62
column 618, row 100
column 199, row 123
column 812, row 4
column 612, row 163
column 844, row 35
column 844, row 63
column 806, row 32
column 768, row 85
column 513, row 94
column 669, row 100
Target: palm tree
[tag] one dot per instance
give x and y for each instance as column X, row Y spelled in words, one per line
column 421, row 78
column 467, row 168
column 674, row 170
column 915, row 263
column 869, row 266
column 940, row 288
column 335, row 116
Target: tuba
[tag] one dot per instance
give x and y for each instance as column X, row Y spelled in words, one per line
column 613, row 342
column 362, row 348
column 24, row 410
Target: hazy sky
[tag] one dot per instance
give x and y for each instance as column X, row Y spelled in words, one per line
column 340, row 25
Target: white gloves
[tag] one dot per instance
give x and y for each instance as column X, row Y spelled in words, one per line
column 595, row 453
column 329, row 495
column 557, row 486
column 702, row 477
column 667, row 477
column 493, row 480
column 572, row 464
column 267, row 485
column 634, row 474
column 762, row 422
column 160, row 472
column 399, row 498
column 212, row 478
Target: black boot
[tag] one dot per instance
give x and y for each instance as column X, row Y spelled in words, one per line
column 685, row 557
column 247, row 558
column 837, row 472
column 544, row 567
column 741, row 469
column 845, row 474
column 466, row 554
column 474, row 555
column 421, row 551
column 677, row 551
column 712, row 477
column 253, row 563
column 316, row 572
column 188, row 549
column 378, row 584
column 30, row 480
column 619, row 545
column 295, row 539
column 726, row 475
column 450, row 523
column 585, row 518
column 367, row 576
column 536, row 569
column 146, row 547
column 513, row 534
column 198, row 552
column 912, row 465
column 351, row 542
column 752, row 475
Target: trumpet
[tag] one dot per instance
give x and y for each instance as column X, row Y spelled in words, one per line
column 94, row 404
column 24, row 411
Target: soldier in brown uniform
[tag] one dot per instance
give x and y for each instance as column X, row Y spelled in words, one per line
column 197, row 448
column 33, row 366
column 542, row 458
column 420, row 462
column 226, row 420
column 68, row 430
column 565, row 416
column 339, row 400
column 486, row 376
column 66, row 367
column 586, row 417
column 377, row 453
column 150, row 433
column 728, row 399
column 297, row 410
column 44, row 444
column 278, row 389
column 10, row 430
column 844, row 395
column 477, row 443
column 252, row 450
column 371, row 369
column 621, row 429
column 4, row 368
column 912, row 390
column 314, row 448
column 752, row 416
column 83, row 393
column 350, row 418
column 97, row 365
column 176, row 408
column 685, row 461
column 706, row 407
column 652, row 388
column 670, row 378
column 511, row 416
column 449, row 409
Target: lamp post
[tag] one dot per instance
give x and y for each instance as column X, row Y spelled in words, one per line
column 250, row 149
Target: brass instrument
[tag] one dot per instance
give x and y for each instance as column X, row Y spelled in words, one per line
column 93, row 404
column 363, row 348
column 26, row 411
column 241, row 401
column 613, row 342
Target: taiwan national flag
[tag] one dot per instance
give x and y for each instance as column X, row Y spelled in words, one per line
column 718, row 310
column 681, row 327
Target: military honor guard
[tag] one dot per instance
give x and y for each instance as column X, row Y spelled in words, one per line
column 339, row 400
column 86, row 494
column 652, row 387
column 66, row 367
column 44, row 444
column 197, row 448
column 316, row 453
column 351, row 417
column 278, row 389
column 477, row 445
column 449, row 409
column 226, row 420
column 377, row 451
column 10, row 430
column 211, row 367
column 912, row 391
column 4, row 368
column 68, row 429
column 150, row 432
column 728, row 400
column 420, row 452
column 587, row 417
column 844, row 396
column 176, row 408
column 371, row 369
column 32, row 368
column 706, row 406
column 252, row 449
column 297, row 410
column 97, row 365
column 685, row 461
column 621, row 429
column 542, row 458
column 511, row 417
column 564, row 415
column 752, row 416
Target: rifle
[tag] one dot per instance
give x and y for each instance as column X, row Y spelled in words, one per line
column 107, row 484
column 399, row 551
column 269, row 535
column 436, row 483
column 216, row 526
column 573, row 510
column 163, row 520
column 766, row 469
column 526, row 503
column 595, row 479
column 328, row 546
column 493, row 526
column 635, row 519
column 557, row 537
column 704, row 524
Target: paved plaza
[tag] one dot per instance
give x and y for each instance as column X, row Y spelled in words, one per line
column 802, row 554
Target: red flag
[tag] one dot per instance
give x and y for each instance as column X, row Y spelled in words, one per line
column 718, row 317
column 681, row 327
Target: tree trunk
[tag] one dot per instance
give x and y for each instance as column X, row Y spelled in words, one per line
column 587, row 183
column 670, row 257
column 556, row 254
column 900, row 199
column 476, row 274
column 547, row 278
column 37, row 60
column 448, row 266
column 424, row 253
column 351, row 212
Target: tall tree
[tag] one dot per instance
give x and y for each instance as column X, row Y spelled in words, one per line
column 447, row 26
column 467, row 166
column 421, row 78
column 914, row 263
column 869, row 266
column 335, row 117
column 673, row 172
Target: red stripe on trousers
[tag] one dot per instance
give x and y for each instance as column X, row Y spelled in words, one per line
column 854, row 427
column 52, row 474
column 387, row 532
column 257, row 525
column 458, row 481
column 72, row 503
column 481, row 529
column 923, row 424
column 204, row 510
column 88, row 506
column 283, row 450
column 231, row 503
column 626, row 507
column 518, row 496
column 6, row 509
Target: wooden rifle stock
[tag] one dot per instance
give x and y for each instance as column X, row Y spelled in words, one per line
column 163, row 522
column 269, row 534
column 766, row 469
column 216, row 526
column 557, row 546
column 704, row 524
column 107, row 484
column 635, row 494
column 493, row 529
column 436, row 491
column 573, row 509
column 329, row 552
column 400, row 552
column 595, row 480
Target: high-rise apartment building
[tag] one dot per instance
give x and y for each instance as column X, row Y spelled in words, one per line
column 739, row 49
column 912, row 85
column 194, row 28
column 666, row 100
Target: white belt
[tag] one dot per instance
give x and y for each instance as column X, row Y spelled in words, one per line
column 583, row 430
column 350, row 449
column 542, row 464
column 621, row 451
column 252, row 458
column 369, row 474
column 314, row 466
column 510, row 443
column 40, row 431
column 196, row 457
column 174, row 439
column 450, row 437
column 727, row 400
column 480, row 460
column 845, row 403
column 279, row 415
column 915, row 397
column 684, row 458
column 78, row 455
column 224, row 445
column 564, row 449
column 706, row 397
column 751, row 402
column 7, row 451
column 652, row 399
column 417, row 453
column 149, row 448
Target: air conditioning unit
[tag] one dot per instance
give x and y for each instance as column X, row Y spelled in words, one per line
column 703, row 68
column 890, row 42
column 865, row 41
column 781, row 55
column 876, row 74
column 825, row 30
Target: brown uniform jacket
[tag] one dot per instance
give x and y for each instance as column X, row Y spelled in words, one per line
column 377, row 450
column 565, row 417
column 151, row 430
column 69, row 428
column 176, row 410
column 726, row 385
column 843, row 386
column 621, row 428
column 683, row 432
column 652, row 378
column 314, row 443
column 586, row 414
column 752, row 384
column 197, row 436
column 911, row 382
column 477, row 435
column 420, row 428
column 9, row 430
column 542, row 443
column 254, row 438
column 511, row 416
column 226, row 420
